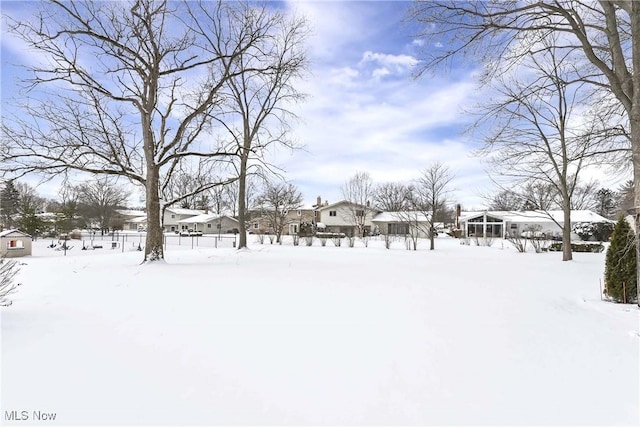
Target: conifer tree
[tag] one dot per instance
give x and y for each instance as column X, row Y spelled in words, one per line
column 620, row 264
column 9, row 199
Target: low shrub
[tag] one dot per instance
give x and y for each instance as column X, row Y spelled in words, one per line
column 578, row 247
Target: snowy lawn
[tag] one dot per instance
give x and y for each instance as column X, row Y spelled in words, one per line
column 318, row 335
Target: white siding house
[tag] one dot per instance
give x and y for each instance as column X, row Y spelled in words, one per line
column 514, row 223
column 339, row 217
column 412, row 223
column 173, row 216
column 211, row 224
column 130, row 219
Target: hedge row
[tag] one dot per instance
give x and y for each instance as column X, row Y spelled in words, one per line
column 578, row 247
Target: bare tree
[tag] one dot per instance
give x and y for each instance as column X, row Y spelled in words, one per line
column 602, row 37
column 359, row 191
column 536, row 138
column 256, row 109
column 101, row 197
column 8, row 271
column 144, row 108
column 429, row 195
column 28, row 198
column 392, row 197
column 68, row 207
column 605, row 203
column 253, row 183
column 277, row 200
column 505, row 200
column 584, row 196
column 625, row 202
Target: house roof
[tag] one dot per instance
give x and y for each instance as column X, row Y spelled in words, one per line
column 138, row 219
column 130, row 212
column 345, row 202
column 182, row 211
column 205, row 218
column 538, row 216
column 13, row 232
column 405, row 216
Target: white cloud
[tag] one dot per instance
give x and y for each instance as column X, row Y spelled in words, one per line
column 399, row 62
column 366, row 113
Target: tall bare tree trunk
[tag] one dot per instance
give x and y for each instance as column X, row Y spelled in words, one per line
column 242, row 190
column 153, row 250
column 634, row 124
column 567, row 253
column 432, row 226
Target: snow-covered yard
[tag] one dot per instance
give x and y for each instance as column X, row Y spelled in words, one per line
column 318, row 336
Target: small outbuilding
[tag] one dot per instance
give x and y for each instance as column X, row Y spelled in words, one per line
column 14, row 243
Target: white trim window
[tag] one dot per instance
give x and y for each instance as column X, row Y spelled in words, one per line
column 13, row 245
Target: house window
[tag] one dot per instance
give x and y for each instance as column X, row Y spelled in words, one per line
column 397, row 229
column 209, row 225
column 15, row 244
column 218, row 226
column 173, row 216
column 333, row 213
column 299, row 212
column 315, row 214
column 255, row 225
column 359, row 213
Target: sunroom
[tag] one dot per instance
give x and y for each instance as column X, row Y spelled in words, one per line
column 483, row 225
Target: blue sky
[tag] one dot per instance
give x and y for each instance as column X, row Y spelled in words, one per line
column 365, row 111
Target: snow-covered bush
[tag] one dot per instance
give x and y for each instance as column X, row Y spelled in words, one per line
column 578, row 247
column 309, row 240
column 483, row 241
column 598, row 231
column 518, row 242
column 8, row 271
column 388, row 239
column 539, row 245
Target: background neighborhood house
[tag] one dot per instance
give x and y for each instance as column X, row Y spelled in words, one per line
column 405, row 223
column 260, row 222
column 173, row 216
column 129, row 219
column 14, row 243
column 339, row 217
column 210, row 224
column 504, row 224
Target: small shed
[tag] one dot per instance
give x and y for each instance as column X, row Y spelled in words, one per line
column 14, row 243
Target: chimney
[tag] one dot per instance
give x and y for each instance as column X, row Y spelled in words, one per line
column 319, row 201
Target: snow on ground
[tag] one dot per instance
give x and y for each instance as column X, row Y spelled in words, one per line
column 318, row 336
